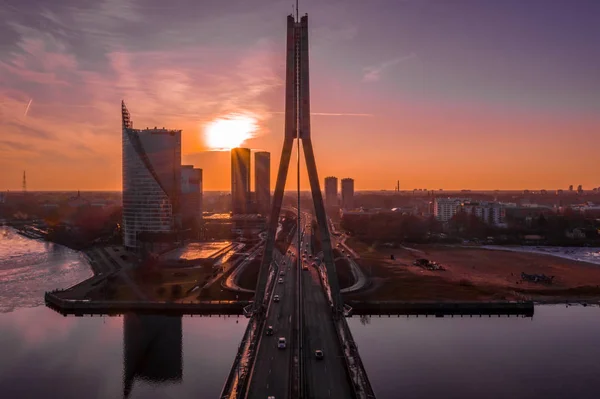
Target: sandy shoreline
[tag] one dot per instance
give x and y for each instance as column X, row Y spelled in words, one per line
column 478, row 273
column 580, row 254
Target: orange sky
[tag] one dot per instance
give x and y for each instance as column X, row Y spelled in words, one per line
column 433, row 103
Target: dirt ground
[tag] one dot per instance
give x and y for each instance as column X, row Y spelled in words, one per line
column 472, row 274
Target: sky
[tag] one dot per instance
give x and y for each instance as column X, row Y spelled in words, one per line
column 451, row 94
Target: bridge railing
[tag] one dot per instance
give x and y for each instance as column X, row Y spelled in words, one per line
column 355, row 371
column 234, row 382
column 240, row 375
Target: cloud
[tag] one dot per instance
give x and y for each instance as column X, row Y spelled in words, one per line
column 14, row 146
column 373, row 73
column 79, row 61
column 326, row 36
column 337, row 114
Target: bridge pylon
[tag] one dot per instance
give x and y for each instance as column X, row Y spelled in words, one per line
column 297, row 128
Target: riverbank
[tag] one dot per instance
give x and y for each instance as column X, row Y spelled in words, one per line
column 473, row 273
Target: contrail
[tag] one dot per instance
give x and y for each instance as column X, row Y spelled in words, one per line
column 327, row 113
column 27, row 109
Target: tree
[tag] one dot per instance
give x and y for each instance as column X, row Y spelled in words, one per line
column 176, row 290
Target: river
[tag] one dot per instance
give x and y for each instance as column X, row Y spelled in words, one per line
column 552, row 355
column 47, row 355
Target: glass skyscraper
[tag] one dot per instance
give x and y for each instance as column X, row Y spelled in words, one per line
column 151, row 180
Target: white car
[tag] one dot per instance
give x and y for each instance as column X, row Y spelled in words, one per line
column 280, row 281
column 276, row 298
column 281, row 343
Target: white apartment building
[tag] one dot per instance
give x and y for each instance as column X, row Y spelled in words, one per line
column 445, row 208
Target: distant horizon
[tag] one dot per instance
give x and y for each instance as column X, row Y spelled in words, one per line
column 550, row 190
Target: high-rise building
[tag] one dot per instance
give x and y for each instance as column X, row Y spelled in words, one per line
column 571, row 187
column 580, row 189
column 240, row 180
column 262, row 181
column 347, row 193
column 331, row 191
column 191, row 196
column 151, row 180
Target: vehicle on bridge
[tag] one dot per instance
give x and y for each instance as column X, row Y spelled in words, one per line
column 269, row 330
column 276, row 298
column 304, row 267
column 280, row 281
column 281, row 344
column 319, row 354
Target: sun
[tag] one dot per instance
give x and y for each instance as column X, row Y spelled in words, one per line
column 230, row 131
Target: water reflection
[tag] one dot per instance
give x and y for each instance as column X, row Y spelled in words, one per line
column 46, row 355
column 152, row 350
column 552, row 355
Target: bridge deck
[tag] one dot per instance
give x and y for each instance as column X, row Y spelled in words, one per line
column 272, row 366
column 326, row 378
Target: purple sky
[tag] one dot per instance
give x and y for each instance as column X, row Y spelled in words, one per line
column 452, row 94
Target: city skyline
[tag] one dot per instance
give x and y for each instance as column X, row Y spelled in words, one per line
column 455, row 96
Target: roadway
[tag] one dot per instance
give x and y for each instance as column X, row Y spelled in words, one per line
column 231, row 282
column 325, row 378
column 272, row 373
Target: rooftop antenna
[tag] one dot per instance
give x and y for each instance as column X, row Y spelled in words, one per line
column 297, row 18
column 24, row 182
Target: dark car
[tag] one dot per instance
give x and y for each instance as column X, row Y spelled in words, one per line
column 319, row 354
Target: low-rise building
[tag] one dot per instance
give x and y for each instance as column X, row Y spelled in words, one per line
column 492, row 213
